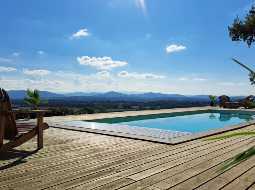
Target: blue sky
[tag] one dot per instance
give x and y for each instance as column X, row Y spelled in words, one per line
column 177, row 46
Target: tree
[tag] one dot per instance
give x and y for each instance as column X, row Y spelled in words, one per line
column 244, row 30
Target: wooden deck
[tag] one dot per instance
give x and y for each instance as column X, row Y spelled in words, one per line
column 80, row 160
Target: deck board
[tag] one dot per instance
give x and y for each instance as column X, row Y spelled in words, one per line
column 128, row 168
column 229, row 176
column 252, row 187
column 80, row 160
column 180, row 174
column 242, row 182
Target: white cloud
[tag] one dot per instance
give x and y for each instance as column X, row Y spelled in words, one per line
column 7, row 69
column 65, row 81
column 103, row 74
column 44, row 82
column 40, row 52
column 101, row 63
column 175, row 48
column 198, row 79
column 5, row 60
column 183, row 79
column 232, row 84
column 81, row 78
column 141, row 4
column 125, row 74
column 23, row 83
column 36, row 72
column 16, row 54
column 81, row 33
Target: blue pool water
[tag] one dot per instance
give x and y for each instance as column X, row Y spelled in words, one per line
column 191, row 123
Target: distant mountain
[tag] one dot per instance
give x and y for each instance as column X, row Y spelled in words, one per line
column 152, row 95
column 117, row 96
column 200, row 97
column 81, row 94
column 21, row 94
column 114, row 96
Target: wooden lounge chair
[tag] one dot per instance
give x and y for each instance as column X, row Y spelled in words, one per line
column 14, row 133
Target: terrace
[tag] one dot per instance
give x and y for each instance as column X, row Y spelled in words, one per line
column 81, row 160
column 88, row 57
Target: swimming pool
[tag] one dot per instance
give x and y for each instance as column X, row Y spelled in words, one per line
column 190, row 123
column 170, row 128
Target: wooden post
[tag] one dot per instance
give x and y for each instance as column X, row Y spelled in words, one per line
column 39, row 130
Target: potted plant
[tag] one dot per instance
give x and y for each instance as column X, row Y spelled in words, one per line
column 213, row 100
column 33, row 98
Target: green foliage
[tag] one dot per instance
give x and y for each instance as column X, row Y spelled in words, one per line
column 252, row 78
column 232, row 135
column 213, row 100
column 252, row 105
column 33, row 98
column 239, row 158
column 244, row 29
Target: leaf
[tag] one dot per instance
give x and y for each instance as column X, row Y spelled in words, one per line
column 36, row 94
column 28, row 101
column 243, row 65
column 30, row 93
column 33, row 98
column 239, row 158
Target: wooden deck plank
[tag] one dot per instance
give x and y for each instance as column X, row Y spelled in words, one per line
column 124, row 172
column 242, row 182
column 137, row 156
column 121, row 182
column 153, row 179
column 88, row 152
column 80, row 168
column 149, row 172
column 228, row 176
column 104, row 157
column 74, row 149
column 73, row 152
column 82, row 160
column 252, row 187
column 199, row 173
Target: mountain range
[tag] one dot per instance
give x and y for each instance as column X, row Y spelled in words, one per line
column 112, row 96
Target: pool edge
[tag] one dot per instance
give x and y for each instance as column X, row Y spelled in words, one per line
column 173, row 141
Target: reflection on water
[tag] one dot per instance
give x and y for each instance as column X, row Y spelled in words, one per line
column 212, row 116
column 228, row 116
column 186, row 122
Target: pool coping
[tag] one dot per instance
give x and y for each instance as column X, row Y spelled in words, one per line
column 172, row 141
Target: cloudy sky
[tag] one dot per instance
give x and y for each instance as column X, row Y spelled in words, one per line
column 177, row 46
